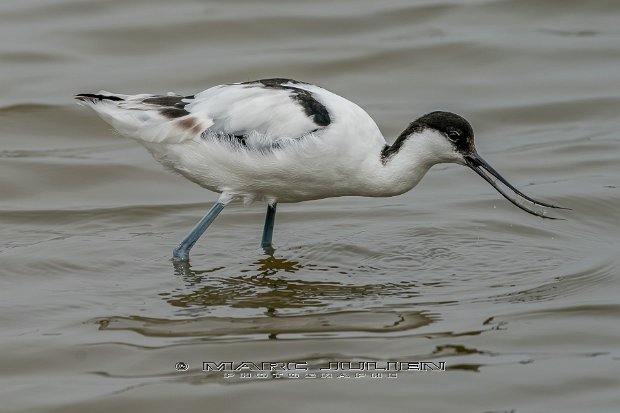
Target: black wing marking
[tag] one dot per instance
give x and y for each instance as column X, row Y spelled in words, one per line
column 312, row 107
column 172, row 106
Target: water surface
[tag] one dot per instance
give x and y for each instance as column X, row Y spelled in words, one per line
column 523, row 311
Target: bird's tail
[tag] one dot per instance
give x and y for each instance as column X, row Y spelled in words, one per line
column 98, row 97
column 145, row 117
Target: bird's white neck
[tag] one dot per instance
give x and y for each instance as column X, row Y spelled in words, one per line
column 402, row 165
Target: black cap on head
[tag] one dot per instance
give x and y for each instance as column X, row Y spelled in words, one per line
column 455, row 127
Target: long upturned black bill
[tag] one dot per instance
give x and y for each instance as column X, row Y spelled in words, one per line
column 482, row 168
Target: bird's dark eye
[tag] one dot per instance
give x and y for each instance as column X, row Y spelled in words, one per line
column 453, row 135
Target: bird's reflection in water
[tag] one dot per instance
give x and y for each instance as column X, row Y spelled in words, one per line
column 270, row 283
column 273, row 297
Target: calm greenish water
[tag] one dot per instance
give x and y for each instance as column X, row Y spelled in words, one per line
column 523, row 311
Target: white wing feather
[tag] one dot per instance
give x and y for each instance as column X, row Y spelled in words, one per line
column 242, row 109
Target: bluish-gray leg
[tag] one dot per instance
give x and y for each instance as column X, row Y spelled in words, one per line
column 268, row 230
column 181, row 252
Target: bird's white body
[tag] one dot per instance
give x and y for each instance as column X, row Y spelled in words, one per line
column 256, row 140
